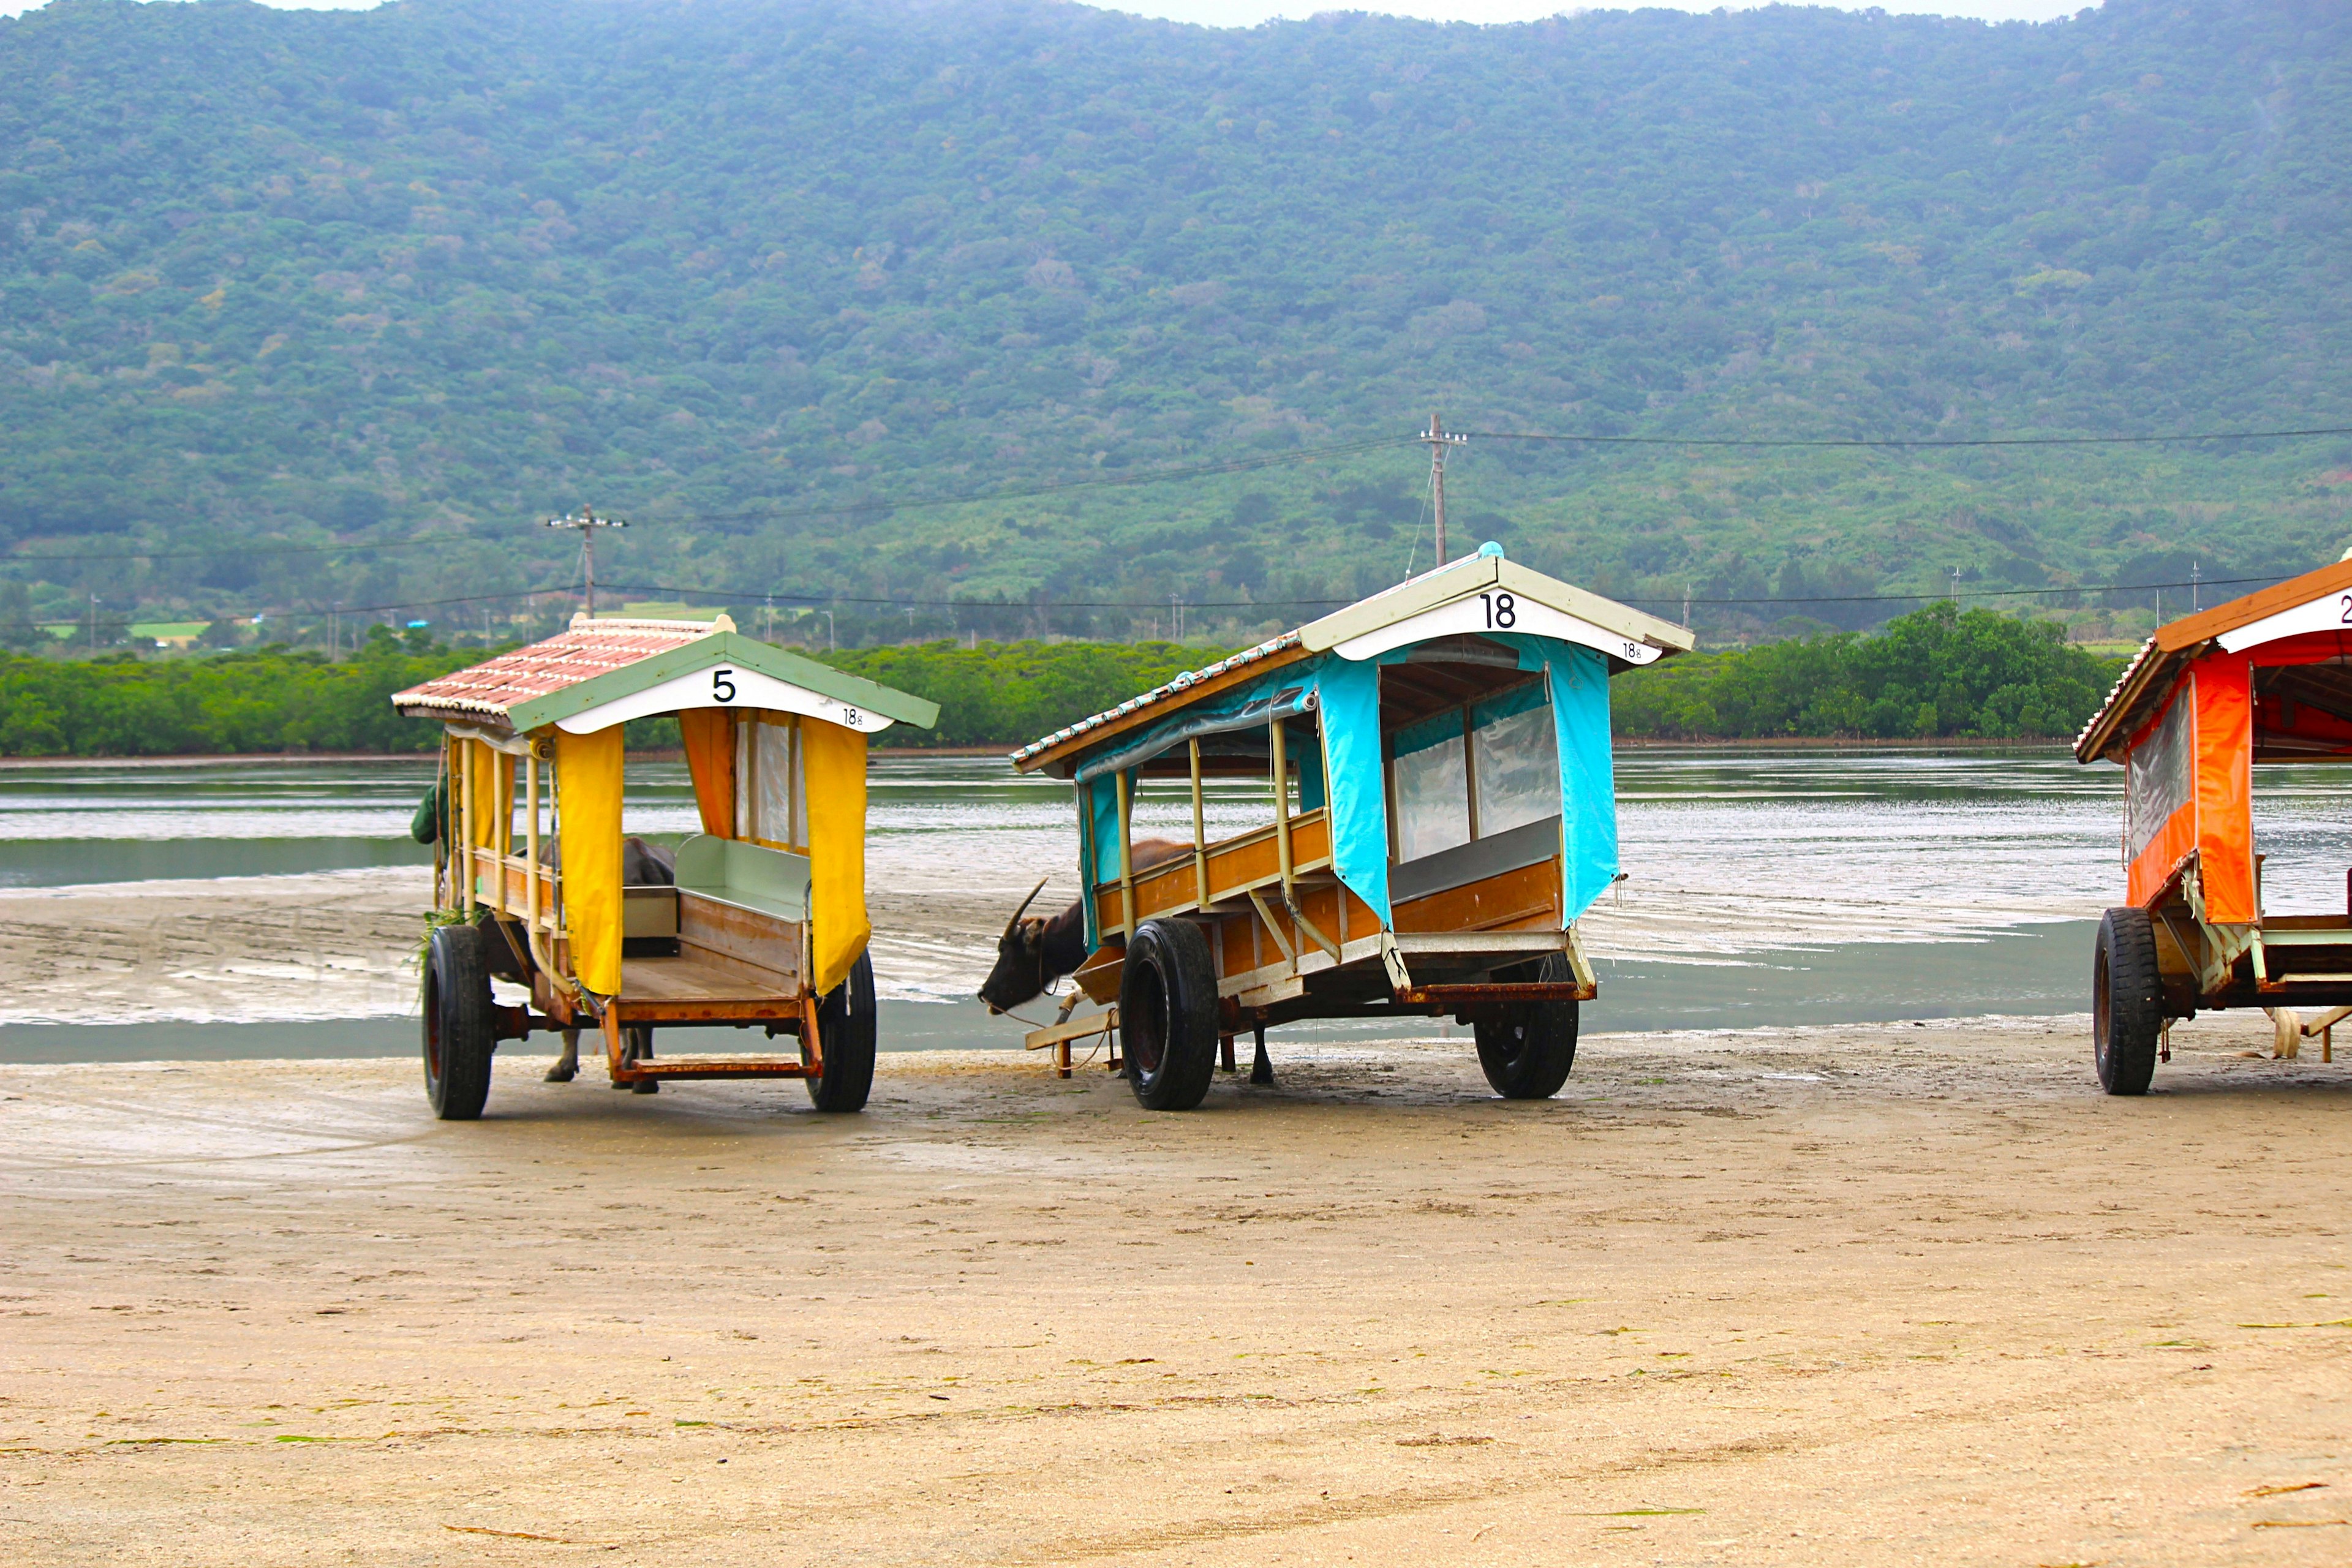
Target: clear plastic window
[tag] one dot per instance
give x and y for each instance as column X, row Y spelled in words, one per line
column 1432, row 800
column 769, row 798
column 1517, row 769
column 2156, row 777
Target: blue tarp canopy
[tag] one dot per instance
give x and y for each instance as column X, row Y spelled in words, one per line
column 1347, row 694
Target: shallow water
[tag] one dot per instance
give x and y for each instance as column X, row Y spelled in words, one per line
column 1762, row 886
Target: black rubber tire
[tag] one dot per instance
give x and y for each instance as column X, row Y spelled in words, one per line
column 1527, row 1049
column 1167, row 1016
column 2126, row 1002
column 461, row 1028
column 848, row 1033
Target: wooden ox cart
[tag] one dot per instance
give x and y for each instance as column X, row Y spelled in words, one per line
column 2264, row 678
column 760, row 922
column 1442, row 809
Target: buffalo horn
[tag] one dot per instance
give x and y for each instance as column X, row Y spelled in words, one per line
column 1024, row 905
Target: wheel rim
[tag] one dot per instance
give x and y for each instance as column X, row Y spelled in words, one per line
column 2102, row 1011
column 432, row 1028
column 1147, row 1036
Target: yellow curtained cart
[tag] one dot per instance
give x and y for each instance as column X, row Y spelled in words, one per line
column 758, row 921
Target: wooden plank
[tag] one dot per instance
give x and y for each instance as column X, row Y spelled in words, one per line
column 689, row 977
column 1528, row 894
column 755, row 937
column 1236, row 864
column 1075, row 1029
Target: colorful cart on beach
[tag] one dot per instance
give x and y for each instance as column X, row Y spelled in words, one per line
column 1441, row 811
column 759, row 921
column 2264, row 678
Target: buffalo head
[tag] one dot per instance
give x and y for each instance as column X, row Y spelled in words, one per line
column 1020, row 972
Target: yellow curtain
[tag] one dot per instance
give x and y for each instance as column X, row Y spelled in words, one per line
column 709, row 734
column 493, row 796
column 493, row 802
column 588, row 785
column 833, row 765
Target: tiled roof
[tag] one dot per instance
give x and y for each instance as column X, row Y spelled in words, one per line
column 585, row 651
column 2131, row 672
column 1184, row 682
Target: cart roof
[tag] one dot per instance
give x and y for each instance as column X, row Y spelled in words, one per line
column 598, row 673
column 2314, row 602
column 1445, row 601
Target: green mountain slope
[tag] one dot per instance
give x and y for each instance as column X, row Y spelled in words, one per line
column 442, row 266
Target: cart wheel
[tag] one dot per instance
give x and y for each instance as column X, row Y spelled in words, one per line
column 846, row 1033
column 1527, row 1047
column 1167, row 1016
column 2126, row 1002
column 461, row 1023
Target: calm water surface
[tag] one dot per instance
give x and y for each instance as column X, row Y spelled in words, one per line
column 1763, row 886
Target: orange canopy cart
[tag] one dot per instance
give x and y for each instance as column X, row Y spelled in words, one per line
column 2267, row 677
column 759, row 921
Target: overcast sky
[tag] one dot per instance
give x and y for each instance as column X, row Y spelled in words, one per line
column 1249, row 12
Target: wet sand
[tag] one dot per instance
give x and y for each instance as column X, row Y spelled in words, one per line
column 1852, row 1296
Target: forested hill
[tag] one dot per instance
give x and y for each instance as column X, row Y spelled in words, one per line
column 328, row 278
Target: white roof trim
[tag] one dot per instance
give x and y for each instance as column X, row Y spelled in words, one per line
column 1496, row 609
column 2331, row 612
column 1583, row 617
column 720, row 685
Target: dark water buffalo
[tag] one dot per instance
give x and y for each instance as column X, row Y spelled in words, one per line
column 643, row 865
column 1035, row 952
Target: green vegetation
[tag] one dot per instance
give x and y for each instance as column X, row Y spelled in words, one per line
column 336, row 281
column 1936, row 673
column 268, row 700
column 1009, row 693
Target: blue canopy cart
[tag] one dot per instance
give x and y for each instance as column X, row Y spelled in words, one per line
column 1443, row 810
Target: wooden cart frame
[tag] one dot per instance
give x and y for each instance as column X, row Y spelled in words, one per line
column 759, row 922
column 1293, row 928
column 2265, row 678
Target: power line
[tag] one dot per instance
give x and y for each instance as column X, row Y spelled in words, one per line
column 1113, row 481
column 30, row 558
column 1234, row 466
column 1907, row 441
column 785, row 595
column 850, row 509
column 734, row 596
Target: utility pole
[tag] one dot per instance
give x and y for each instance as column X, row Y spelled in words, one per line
column 93, row 623
column 587, row 522
column 832, row 642
column 1438, row 442
column 1176, row 615
column 1687, row 607
column 2196, row 583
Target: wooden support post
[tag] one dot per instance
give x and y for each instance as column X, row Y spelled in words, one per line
column 465, row 810
column 445, row 781
column 1125, row 856
column 2327, row 1043
column 1278, row 742
column 530, row 842
column 501, row 828
column 1262, row 1068
column 1225, row 1052
column 1200, row 831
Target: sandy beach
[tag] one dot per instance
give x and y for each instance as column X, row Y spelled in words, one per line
column 1898, row 1294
